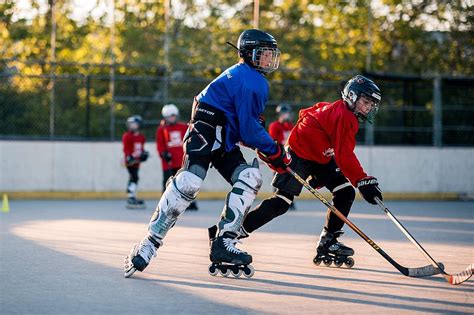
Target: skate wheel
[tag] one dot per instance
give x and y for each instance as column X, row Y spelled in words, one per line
column 327, row 262
column 129, row 273
column 213, row 271
column 237, row 273
column 338, row 263
column 317, row 261
column 349, row 262
column 249, row 271
column 225, row 272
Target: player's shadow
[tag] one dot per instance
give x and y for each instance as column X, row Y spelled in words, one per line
column 48, row 281
column 465, row 287
column 443, row 285
column 334, row 294
column 439, row 279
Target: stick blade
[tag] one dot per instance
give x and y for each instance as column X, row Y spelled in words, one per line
column 462, row 276
column 425, row 271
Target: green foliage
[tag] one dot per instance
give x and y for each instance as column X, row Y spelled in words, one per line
column 322, row 43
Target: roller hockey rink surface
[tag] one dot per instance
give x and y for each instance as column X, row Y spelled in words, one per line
column 66, row 257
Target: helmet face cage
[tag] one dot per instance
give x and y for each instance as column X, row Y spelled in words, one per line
column 266, row 59
column 370, row 116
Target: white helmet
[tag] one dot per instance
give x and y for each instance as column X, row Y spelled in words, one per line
column 169, row 110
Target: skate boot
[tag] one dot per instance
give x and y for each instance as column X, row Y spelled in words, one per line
column 226, row 258
column 140, row 256
column 134, row 203
column 331, row 251
column 212, row 231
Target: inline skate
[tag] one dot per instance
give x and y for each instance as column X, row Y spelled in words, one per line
column 331, row 251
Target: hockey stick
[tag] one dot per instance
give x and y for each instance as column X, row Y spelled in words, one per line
column 453, row 279
column 425, row 271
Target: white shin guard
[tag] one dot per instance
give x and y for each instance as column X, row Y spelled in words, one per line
column 179, row 193
column 247, row 181
column 131, row 190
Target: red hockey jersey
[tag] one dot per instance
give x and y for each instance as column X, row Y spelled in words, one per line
column 169, row 138
column 280, row 131
column 328, row 129
column 133, row 144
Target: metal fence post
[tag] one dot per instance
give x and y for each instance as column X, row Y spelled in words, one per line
column 166, row 48
column 369, row 128
column 112, row 74
column 437, row 112
column 52, row 105
column 369, row 133
column 88, row 106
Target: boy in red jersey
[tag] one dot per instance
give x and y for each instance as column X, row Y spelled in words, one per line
column 322, row 147
column 133, row 148
column 169, row 143
column 280, row 129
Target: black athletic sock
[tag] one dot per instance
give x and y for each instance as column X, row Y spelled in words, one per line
column 343, row 203
column 266, row 211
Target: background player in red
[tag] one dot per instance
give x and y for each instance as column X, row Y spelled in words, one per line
column 280, row 129
column 322, row 146
column 134, row 150
column 169, row 143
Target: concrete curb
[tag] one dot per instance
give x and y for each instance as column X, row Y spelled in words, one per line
column 210, row 195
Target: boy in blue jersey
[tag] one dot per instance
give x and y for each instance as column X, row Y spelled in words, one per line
column 225, row 113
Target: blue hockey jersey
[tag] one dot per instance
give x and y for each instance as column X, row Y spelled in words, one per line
column 241, row 93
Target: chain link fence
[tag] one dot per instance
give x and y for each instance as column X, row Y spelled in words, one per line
column 78, row 104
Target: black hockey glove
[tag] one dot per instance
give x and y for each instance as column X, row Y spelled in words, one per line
column 166, row 156
column 369, row 189
column 144, row 156
column 278, row 161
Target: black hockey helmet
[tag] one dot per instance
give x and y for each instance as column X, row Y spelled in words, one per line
column 361, row 86
column 252, row 44
column 135, row 119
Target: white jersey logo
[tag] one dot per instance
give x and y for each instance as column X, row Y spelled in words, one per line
column 176, row 140
column 137, row 149
column 329, row 152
